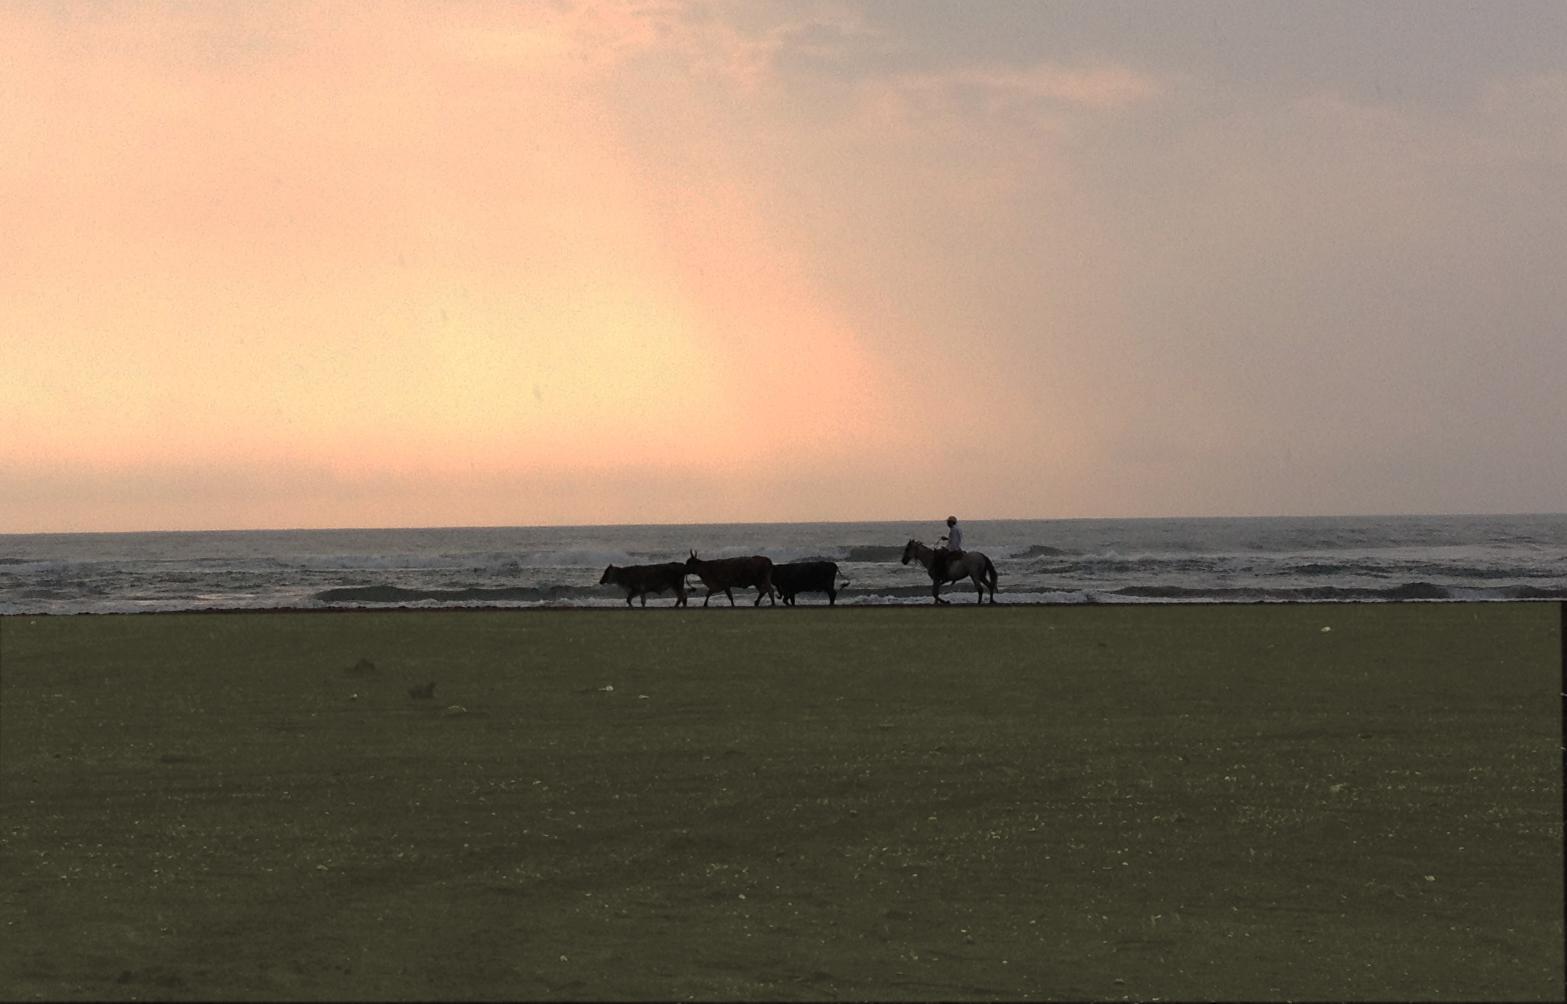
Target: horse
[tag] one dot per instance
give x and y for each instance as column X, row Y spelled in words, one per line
column 971, row 565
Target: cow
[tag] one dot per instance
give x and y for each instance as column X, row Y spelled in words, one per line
column 639, row 580
column 806, row 577
column 726, row 573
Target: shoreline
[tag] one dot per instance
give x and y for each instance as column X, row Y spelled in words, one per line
column 955, row 603
column 1041, row 563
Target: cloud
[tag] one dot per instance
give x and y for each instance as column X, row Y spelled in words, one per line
column 366, row 249
column 1094, row 87
column 576, row 39
column 785, row 253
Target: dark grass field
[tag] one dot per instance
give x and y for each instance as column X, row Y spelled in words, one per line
column 1195, row 802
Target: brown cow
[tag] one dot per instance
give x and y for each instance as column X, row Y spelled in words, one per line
column 639, row 580
column 726, row 573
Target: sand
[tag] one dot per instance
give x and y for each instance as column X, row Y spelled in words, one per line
column 1220, row 802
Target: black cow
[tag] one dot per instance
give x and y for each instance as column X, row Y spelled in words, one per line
column 806, row 577
column 726, row 573
column 639, row 580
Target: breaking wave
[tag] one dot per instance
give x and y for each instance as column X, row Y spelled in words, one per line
column 874, row 553
column 1404, row 591
column 1213, row 560
column 400, row 594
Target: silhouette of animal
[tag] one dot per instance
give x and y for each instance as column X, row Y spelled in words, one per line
column 639, row 580
column 727, row 573
column 791, row 578
column 971, row 565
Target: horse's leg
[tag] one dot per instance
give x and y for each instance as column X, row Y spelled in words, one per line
column 729, row 594
column 707, row 597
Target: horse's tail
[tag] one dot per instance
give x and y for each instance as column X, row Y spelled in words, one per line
column 990, row 574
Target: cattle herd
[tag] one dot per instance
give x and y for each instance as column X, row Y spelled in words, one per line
column 787, row 580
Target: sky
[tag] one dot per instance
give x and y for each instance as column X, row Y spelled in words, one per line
column 276, row 265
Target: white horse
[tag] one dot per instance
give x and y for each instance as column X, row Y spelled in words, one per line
column 970, row 565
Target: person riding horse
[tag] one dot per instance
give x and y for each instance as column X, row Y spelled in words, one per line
column 948, row 547
column 972, row 565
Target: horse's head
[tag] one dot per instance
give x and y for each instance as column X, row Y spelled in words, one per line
column 692, row 561
column 908, row 550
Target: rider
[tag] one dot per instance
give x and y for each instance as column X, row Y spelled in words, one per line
column 947, row 547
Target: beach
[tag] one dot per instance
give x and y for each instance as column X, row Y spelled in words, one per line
column 1218, row 801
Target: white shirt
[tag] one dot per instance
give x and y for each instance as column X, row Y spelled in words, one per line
column 954, row 538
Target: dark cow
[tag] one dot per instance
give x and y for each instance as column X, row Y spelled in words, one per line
column 806, row 577
column 726, row 573
column 639, row 580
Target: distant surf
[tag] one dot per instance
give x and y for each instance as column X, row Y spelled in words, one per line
column 1242, row 560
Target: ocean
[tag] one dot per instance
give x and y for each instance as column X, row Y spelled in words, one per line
column 1207, row 560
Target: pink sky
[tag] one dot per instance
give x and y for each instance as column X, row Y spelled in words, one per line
column 410, row 264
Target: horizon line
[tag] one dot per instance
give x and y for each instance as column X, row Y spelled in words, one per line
column 804, row 522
